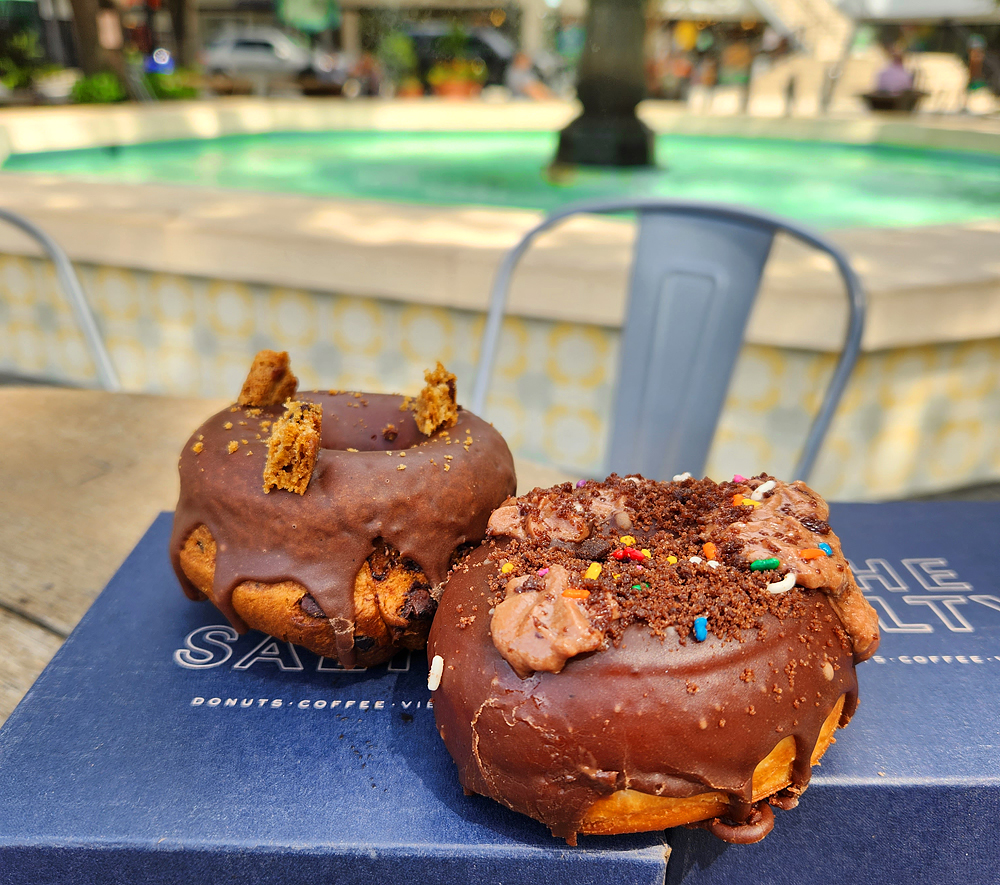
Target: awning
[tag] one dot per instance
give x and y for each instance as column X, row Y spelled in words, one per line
column 921, row 10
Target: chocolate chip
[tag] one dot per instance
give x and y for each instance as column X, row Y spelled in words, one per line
column 310, row 607
column 819, row 526
column 419, row 605
column 532, row 582
column 595, row 549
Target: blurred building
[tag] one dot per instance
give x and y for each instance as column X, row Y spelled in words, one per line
column 968, row 11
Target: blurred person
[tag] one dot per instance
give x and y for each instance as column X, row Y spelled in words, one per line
column 522, row 81
column 704, row 79
column 894, row 78
column 975, row 59
column 790, row 88
column 367, row 74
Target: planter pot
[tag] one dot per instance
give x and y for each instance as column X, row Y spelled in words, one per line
column 458, row 89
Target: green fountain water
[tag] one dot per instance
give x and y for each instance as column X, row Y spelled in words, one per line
column 827, row 185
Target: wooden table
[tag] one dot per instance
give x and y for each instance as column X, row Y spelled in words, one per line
column 82, row 476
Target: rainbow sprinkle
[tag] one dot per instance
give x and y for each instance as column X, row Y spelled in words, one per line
column 784, row 585
column 826, row 548
column 812, row 553
column 629, row 553
column 701, row 628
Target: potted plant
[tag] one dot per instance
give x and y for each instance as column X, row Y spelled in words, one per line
column 457, row 78
column 455, row 74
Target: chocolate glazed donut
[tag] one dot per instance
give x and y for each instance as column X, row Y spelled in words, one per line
column 651, row 716
column 378, row 485
column 622, row 657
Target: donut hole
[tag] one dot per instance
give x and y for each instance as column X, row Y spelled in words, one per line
column 374, row 430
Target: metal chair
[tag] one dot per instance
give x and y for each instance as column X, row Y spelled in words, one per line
column 695, row 274
column 74, row 293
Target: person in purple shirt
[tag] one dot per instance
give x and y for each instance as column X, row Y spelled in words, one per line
column 894, row 78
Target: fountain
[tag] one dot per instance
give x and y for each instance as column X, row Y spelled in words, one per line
column 610, row 83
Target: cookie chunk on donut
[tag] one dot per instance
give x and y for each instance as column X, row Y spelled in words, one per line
column 631, row 655
column 328, row 518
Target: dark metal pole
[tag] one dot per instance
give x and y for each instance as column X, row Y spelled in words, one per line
column 611, row 81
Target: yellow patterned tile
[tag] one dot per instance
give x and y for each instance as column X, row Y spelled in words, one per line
column 171, row 299
column 357, row 325
column 512, row 352
column 739, row 452
column 17, row 283
column 816, row 373
column 911, row 419
column 577, row 355
column 956, row 448
column 294, row 317
column 426, row 335
column 507, row 414
column 973, row 370
column 130, row 361
column 892, row 456
column 114, row 293
column 757, row 380
column 369, row 382
column 573, row 436
column 860, row 386
column 73, row 357
column 178, row 371
column 908, row 376
column 28, row 348
column 229, row 370
column 229, row 308
column 836, row 475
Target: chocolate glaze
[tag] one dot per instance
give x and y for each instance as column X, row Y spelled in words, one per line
column 651, row 715
column 321, row 539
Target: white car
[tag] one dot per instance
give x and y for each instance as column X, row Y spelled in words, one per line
column 262, row 51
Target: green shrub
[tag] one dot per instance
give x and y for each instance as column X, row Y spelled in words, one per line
column 102, row 88
column 20, row 59
column 178, row 85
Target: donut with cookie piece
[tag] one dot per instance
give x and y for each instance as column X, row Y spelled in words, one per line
column 330, row 518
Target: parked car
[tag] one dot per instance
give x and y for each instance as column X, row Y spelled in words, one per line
column 269, row 53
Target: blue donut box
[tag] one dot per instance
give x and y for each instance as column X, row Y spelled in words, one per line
column 160, row 747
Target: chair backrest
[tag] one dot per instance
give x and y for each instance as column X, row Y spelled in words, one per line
column 74, row 293
column 695, row 274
